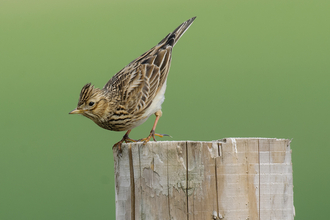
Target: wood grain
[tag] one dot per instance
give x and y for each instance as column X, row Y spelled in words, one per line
column 232, row 178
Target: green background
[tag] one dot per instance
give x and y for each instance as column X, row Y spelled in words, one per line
column 243, row 69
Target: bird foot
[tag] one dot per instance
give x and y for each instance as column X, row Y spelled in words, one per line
column 125, row 139
column 152, row 134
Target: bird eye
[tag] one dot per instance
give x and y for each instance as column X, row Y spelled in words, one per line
column 91, row 103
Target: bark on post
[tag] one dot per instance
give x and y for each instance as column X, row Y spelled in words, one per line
column 233, row 178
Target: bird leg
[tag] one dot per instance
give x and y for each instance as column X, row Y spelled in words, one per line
column 125, row 139
column 152, row 132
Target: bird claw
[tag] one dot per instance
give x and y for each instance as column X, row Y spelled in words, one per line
column 129, row 140
column 162, row 135
column 118, row 145
column 152, row 135
column 125, row 139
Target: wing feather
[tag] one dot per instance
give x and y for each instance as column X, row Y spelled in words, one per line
column 136, row 85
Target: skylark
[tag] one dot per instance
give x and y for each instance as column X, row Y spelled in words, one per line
column 134, row 93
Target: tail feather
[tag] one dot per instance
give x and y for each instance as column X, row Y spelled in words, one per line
column 172, row 38
column 179, row 31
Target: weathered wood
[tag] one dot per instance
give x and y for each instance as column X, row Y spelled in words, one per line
column 233, row 178
column 238, row 178
column 202, row 200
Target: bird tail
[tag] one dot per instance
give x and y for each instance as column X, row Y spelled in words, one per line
column 173, row 37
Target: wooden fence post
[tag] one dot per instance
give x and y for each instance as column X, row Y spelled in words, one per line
column 233, row 178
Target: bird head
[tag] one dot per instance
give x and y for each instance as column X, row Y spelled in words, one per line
column 91, row 102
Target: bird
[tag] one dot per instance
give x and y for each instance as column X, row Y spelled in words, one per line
column 133, row 94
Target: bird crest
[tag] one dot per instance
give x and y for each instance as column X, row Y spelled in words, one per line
column 86, row 93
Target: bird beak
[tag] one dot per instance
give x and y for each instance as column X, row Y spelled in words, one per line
column 76, row 111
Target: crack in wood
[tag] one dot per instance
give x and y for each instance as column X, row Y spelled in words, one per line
column 259, row 177
column 140, row 176
column 216, row 186
column 132, row 182
column 187, row 170
column 168, row 185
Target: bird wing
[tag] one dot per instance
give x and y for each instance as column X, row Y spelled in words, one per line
column 136, row 85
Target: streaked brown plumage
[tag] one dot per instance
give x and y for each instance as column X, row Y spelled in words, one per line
column 134, row 93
